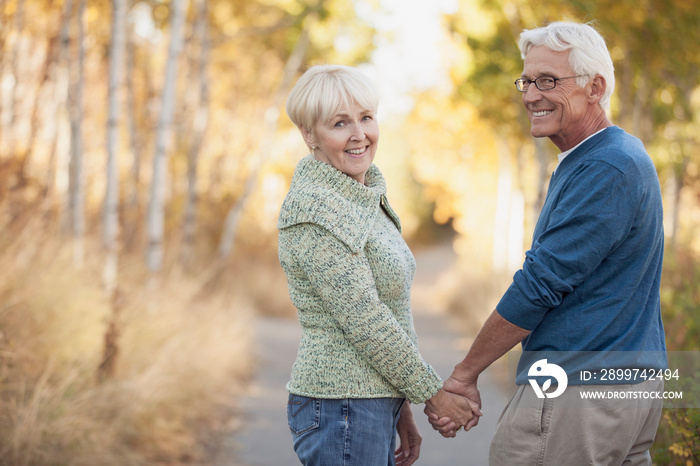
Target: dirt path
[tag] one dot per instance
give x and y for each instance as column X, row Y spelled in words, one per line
column 262, row 437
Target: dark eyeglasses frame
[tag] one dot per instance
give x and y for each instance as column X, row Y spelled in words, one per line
column 519, row 82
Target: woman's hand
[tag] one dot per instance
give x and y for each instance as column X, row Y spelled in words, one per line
column 448, row 412
column 410, row 439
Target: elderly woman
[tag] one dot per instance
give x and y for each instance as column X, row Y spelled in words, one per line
column 349, row 273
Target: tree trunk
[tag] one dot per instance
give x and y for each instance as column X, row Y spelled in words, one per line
column 503, row 194
column 37, row 106
column 76, row 182
column 509, row 227
column 200, row 122
column 110, row 233
column 61, row 86
column 516, row 231
column 17, row 78
column 156, row 205
column 133, row 202
column 233, row 217
column 3, row 39
column 108, row 365
column 678, row 177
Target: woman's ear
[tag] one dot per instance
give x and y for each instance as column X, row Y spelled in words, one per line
column 308, row 136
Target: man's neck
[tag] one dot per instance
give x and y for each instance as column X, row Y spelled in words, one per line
column 564, row 144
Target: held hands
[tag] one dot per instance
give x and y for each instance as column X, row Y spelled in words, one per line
column 457, row 405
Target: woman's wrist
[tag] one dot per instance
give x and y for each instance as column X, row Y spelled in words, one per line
column 406, row 409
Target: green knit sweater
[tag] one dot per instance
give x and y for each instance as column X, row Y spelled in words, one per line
column 349, row 273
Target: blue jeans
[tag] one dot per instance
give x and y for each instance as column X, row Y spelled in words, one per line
column 345, row 432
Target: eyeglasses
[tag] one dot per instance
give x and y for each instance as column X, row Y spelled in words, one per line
column 543, row 83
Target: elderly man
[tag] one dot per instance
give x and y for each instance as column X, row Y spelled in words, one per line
column 585, row 304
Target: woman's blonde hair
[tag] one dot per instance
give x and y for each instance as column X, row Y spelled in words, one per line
column 323, row 90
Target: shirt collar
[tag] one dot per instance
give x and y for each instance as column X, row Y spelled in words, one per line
column 563, row 155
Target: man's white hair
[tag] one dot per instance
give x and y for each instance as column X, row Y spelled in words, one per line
column 589, row 54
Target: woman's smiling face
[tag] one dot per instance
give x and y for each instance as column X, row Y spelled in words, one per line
column 348, row 141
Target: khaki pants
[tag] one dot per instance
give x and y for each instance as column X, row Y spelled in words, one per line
column 569, row 430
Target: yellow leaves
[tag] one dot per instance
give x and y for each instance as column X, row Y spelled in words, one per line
column 292, row 7
column 472, row 18
column 161, row 12
column 223, row 12
column 695, row 102
column 666, row 97
column 684, row 427
column 680, row 450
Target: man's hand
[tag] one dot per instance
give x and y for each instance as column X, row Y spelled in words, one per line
column 446, row 424
column 468, row 389
column 449, row 411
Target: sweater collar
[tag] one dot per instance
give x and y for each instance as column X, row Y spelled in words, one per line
column 311, row 170
column 585, row 146
column 563, row 155
column 325, row 196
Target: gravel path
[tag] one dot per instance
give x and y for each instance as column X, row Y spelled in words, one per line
column 261, row 437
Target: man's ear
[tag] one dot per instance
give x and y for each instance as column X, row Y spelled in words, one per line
column 308, row 136
column 598, row 86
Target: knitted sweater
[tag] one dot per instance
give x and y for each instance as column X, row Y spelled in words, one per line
column 349, row 273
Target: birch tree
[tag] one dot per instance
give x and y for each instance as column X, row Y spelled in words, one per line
column 3, row 38
column 110, row 233
column 200, row 122
column 156, row 205
column 270, row 123
column 508, row 215
column 61, row 84
column 136, row 137
column 15, row 59
column 76, row 182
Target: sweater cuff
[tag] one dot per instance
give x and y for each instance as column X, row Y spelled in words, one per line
column 425, row 388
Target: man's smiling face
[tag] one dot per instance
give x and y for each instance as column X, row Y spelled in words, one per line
column 562, row 113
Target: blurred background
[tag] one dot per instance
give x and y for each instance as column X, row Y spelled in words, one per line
column 145, row 152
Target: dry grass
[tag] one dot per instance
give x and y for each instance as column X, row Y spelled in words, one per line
column 181, row 359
